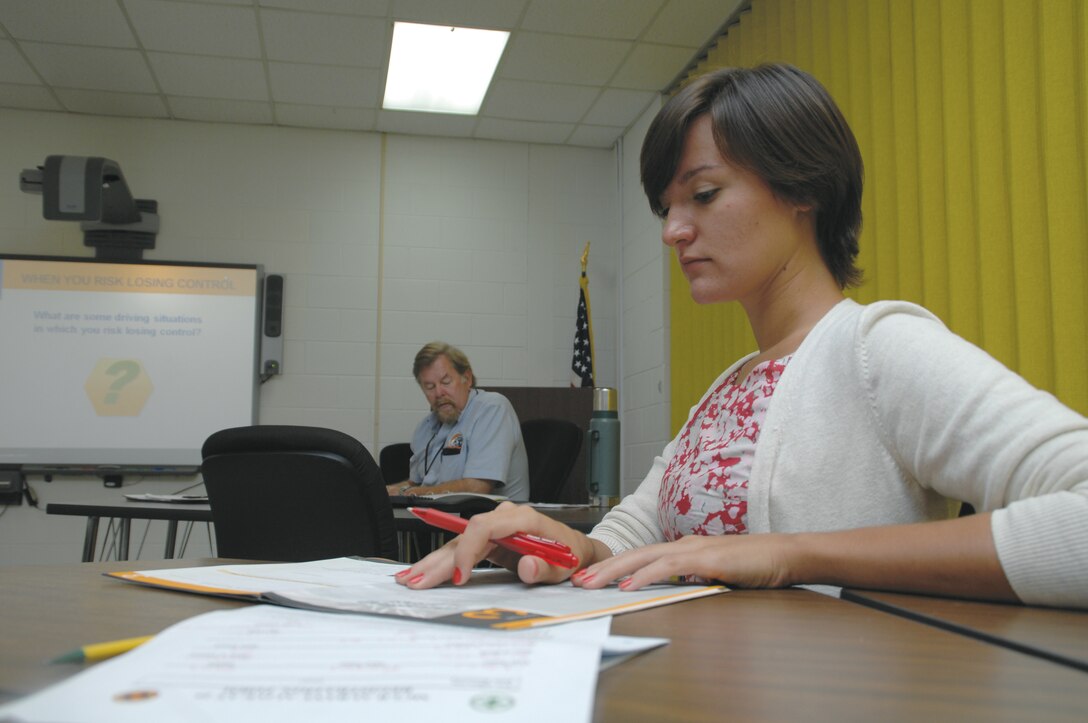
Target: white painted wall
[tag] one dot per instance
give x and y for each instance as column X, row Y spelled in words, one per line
column 645, row 396
column 479, row 245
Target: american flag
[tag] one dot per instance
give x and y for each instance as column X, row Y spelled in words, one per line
column 581, row 364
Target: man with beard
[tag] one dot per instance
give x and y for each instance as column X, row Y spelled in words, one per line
column 471, row 440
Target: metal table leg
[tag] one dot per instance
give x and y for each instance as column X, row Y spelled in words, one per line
column 122, row 546
column 171, row 536
column 90, row 539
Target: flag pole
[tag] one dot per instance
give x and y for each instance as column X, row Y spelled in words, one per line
column 584, row 283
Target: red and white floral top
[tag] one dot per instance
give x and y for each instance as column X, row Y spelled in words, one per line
column 705, row 487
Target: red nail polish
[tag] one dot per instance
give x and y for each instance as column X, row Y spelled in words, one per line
column 403, row 572
column 415, row 579
column 626, row 584
column 456, row 576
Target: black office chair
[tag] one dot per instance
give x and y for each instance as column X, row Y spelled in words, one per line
column 394, row 461
column 293, row 494
column 552, row 446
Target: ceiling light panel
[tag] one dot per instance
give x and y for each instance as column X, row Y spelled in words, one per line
column 441, row 69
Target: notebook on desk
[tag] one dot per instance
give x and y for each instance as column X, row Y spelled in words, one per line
column 178, row 499
column 452, row 501
column 492, row 598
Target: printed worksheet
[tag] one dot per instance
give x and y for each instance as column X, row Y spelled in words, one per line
column 269, row 664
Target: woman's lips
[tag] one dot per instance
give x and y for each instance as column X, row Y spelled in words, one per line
column 691, row 263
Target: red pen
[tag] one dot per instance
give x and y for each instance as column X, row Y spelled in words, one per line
column 555, row 553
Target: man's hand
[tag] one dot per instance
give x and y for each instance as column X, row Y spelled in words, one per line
column 402, row 488
column 467, row 484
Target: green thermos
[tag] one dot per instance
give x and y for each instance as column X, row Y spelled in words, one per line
column 603, row 446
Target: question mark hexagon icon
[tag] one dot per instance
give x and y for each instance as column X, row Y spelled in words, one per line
column 118, row 387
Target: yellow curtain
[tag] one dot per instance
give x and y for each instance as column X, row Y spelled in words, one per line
column 972, row 116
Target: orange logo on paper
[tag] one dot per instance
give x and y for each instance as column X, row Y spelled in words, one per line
column 497, row 614
column 118, row 387
column 136, row 695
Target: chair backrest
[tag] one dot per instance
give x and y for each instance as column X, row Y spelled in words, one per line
column 552, row 446
column 394, row 460
column 288, row 493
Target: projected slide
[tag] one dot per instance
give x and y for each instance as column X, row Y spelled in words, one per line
column 123, row 363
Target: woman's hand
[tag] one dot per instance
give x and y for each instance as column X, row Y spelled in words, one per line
column 949, row 557
column 739, row 560
column 455, row 560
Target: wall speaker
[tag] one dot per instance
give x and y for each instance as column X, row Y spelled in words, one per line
column 272, row 326
column 12, row 485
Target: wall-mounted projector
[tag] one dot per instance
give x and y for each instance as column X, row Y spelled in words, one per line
column 93, row 191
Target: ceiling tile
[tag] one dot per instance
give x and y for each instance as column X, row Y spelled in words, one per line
column 324, row 85
column 29, row 97
column 538, row 101
column 69, row 66
column 497, row 14
column 13, row 68
column 562, row 59
column 689, row 23
column 221, row 111
column 183, row 27
column 523, row 131
column 595, row 136
column 324, row 39
column 652, row 67
column 426, row 124
column 203, row 77
column 575, row 71
column 85, row 22
column 619, row 107
column 317, row 116
column 377, row 8
column 624, row 19
column 134, row 105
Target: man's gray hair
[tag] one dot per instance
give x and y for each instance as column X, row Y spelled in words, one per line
column 430, row 352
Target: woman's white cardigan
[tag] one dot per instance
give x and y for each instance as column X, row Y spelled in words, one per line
column 881, row 417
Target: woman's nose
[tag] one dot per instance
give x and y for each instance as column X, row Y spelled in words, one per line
column 676, row 230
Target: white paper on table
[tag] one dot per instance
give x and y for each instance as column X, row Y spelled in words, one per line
column 270, row 664
column 618, row 648
column 829, row 590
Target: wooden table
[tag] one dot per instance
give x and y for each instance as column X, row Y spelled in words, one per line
column 776, row 655
column 790, row 655
column 126, row 511
column 1057, row 635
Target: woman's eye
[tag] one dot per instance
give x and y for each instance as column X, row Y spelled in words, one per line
column 706, row 196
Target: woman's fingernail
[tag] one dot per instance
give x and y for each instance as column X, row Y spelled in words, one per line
column 415, row 579
column 456, row 576
column 403, row 572
column 626, row 584
column 578, row 574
